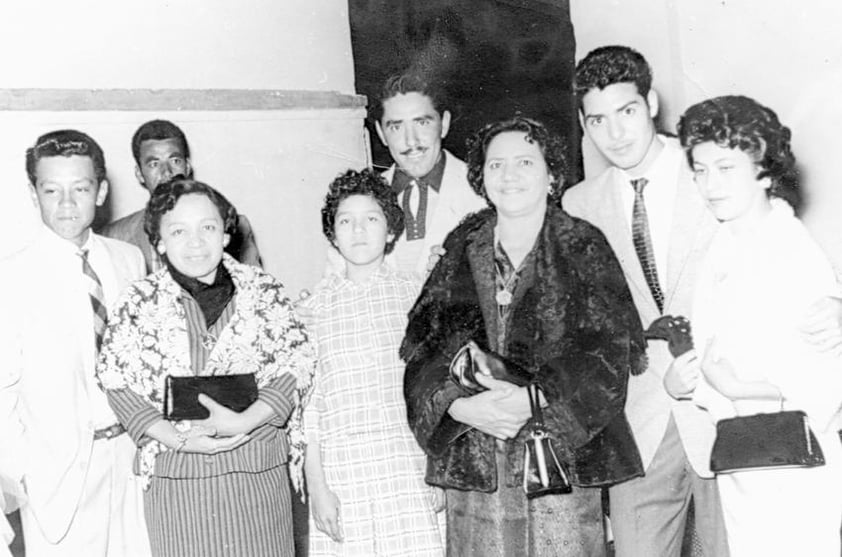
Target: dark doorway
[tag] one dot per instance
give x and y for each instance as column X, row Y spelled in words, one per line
column 492, row 57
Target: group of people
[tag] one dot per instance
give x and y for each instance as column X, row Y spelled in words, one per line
column 357, row 408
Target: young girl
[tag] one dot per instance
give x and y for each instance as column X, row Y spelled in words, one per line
column 364, row 469
column 762, row 274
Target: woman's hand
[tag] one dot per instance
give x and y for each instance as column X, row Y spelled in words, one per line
column 325, row 505
column 436, row 253
column 204, row 440
column 224, row 421
column 719, row 372
column 683, row 375
column 498, row 412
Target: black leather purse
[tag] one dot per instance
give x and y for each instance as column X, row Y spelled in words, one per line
column 764, row 441
column 181, row 394
column 470, row 360
column 543, row 472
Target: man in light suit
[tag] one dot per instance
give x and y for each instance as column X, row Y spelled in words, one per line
column 431, row 184
column 73, row 459
column 161, row 151
column 617, row 111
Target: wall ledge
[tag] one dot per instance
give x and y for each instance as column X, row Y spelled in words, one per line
column 174, row 100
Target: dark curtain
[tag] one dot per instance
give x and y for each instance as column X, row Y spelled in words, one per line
column 494, row 58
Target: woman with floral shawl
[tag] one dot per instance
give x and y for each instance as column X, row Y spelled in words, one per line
column 219, row 486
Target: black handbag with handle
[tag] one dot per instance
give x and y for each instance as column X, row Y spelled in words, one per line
column 543, row 472
column 765, row 441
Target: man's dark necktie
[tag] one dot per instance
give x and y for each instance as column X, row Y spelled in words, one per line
column 643, row 242
column 415, row 209
column 97, row 298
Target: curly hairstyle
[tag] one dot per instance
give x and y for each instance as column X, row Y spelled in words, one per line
column 158, row 130
column 552, row 147
column 608, row 65
column 65, row 143
column 167, row 194
column 401, row 84
column 363, row 182
column 738, row 122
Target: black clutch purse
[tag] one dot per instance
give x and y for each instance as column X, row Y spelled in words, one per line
column 761, row 441
column 543, row 472
column 467, row 363
column 181, row 394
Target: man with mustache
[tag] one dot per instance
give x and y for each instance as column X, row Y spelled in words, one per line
column 431, row 184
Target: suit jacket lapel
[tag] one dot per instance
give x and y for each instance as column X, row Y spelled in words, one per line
column 445, row 212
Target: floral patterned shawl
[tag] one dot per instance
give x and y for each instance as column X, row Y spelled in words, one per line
column 147, row 340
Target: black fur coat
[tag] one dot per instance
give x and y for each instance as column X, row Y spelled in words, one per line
column 573, row 326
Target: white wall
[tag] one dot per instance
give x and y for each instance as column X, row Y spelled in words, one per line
column 274, row 165
column 177, row 44
column 787, row 55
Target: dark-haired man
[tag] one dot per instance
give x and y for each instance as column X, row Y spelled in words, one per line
column 431, row 184
column 161, row 151
column 69, row 451
column 652, row 214
column 648, row 207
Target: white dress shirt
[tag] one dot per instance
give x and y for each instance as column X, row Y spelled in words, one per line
column 659, row 198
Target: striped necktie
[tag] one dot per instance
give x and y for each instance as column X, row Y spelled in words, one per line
column 643, row 242
column 97, row 298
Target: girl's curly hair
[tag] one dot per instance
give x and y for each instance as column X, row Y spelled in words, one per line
column 363, row 182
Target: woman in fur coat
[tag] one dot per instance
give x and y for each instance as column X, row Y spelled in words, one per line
column 543, row 290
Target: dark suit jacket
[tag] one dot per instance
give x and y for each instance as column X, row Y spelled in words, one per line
column 242, row 246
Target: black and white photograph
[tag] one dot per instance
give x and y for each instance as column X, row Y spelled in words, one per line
column 452, row 278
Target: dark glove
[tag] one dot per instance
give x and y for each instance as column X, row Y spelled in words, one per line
column 673, row 329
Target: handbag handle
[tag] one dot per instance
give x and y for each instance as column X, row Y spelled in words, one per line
column 535, row 404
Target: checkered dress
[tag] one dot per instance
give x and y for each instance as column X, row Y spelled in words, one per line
column 370, row 457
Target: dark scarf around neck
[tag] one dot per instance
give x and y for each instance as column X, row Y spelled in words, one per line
column 212, row 298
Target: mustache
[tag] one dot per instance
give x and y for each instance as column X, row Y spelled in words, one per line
column 414, row 150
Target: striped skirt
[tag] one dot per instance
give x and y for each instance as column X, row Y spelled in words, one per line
column 241, row 514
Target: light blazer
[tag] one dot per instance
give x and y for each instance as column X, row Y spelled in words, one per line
column 48, row 348
column 648, row 405
column 242, row 246
column 456, row 201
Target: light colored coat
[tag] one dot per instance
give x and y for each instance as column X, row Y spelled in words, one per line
column 648, row 405
column 48, row 357
column 456, row 200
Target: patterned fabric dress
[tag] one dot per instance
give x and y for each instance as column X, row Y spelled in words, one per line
column 371, row 460
column 235, row 503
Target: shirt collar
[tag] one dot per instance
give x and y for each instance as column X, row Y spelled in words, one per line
column 63, row 246
column 661, row 173
column 433, row 178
